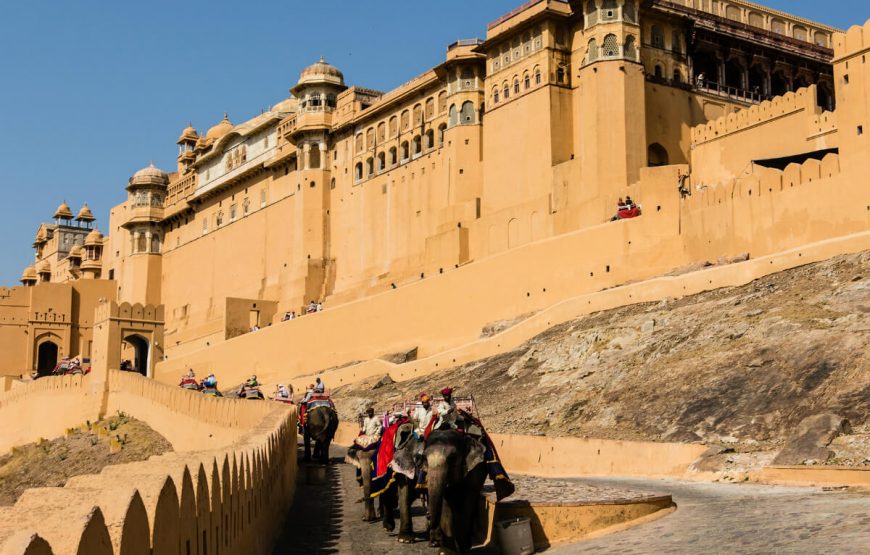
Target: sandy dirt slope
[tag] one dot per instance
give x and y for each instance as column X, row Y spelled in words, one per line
column 738, row 366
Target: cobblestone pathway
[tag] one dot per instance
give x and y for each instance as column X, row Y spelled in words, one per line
column 736, row 519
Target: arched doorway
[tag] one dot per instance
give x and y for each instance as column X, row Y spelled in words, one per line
column 136, row 350
column 46, row 358
column 657, row 156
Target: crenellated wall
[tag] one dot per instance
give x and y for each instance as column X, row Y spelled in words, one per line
column 226, row 488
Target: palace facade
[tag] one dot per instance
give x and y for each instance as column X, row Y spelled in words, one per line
column 341, row 192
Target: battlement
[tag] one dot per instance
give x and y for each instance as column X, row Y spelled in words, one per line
column 769, row 110
column 112, row 310
column 852, row 43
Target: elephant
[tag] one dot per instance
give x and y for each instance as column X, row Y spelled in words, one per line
column 455, row 473
column 364, row 460
column 321, row 424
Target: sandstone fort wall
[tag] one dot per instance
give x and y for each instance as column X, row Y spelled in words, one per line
column 228, row 493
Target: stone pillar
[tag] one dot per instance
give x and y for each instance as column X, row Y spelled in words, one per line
column 306, row 157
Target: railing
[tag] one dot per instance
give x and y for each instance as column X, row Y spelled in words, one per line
column 465, row 42
column 181, row 189
column 726, row 91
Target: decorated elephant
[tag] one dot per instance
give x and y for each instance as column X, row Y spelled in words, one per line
column 363, row 458
column 321, row 423
column 456, row 470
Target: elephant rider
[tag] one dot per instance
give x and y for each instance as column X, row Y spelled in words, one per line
column 283, row 395
column 251, row 389
column 446, row 411
column 209, row 386
column 422, row 415
column 188, row 381
column 319, row 387
column 309, row 393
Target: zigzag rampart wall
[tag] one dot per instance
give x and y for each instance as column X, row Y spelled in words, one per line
column 229, row 494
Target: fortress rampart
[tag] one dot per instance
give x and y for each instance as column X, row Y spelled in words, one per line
column 225, row 488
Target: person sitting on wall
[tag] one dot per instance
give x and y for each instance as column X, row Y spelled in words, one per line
column 209, row 386
column 445, row 410
column 312, row 308
column 289, row 315
column 188, row 381
column 250, row 390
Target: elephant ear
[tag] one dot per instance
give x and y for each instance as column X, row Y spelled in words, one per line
column 352, row 457
column 475, row 454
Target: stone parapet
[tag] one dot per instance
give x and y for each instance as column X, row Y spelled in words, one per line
column 230, row 498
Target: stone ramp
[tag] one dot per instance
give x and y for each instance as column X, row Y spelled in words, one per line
column 327, row 518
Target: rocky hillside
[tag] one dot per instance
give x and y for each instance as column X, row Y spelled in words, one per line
column 741, row 366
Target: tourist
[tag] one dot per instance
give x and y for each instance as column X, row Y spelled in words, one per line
column 250, row 390
column 283, row 395
column 312, row 308
column 309, row 393
column 422, row 415
column 319, row 387
column 188, row 381
column 289, row 315
column 209, row 386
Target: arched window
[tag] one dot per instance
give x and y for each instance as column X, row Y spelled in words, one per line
column 527, row 81
column 453, row 117
column 219, row 219
column 659, row 72
column 676, row 43
column 430, row 139
column 506, row 90
column 370, row 167
column 382, row 132
column 777, row 26
column 155, row 243
column 629, row 11
column 370, row 138
column 418, row 145
column 560, row 75
column 516, row 85
column 441, row 130
column 611, row 47
column 430, row 108
column 406, row 120
column 442, row 102
column 592, row 51
column 591, row 13
column 467, row 115
column 678, row 77
column 800, row 33
column 467, row 78
column 733, row 13
column 393, row 157
column 357, row 171
column 657, row 156
column 657, row 36
column 405, row 151
column 358, row 146
column 609, row 10
column 495, row 95
column 537, row 76
column 394, row 126
column 629, row 49
column 314, row 157
column 382, row 161
column 418, row 114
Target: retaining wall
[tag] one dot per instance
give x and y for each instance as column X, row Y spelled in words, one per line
column 227, row 494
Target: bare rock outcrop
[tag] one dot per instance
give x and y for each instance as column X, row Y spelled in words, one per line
column 809, row 444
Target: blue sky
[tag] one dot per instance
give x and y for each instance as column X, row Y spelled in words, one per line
column 92, row 90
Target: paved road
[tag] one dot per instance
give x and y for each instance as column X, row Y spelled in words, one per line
column 736, row 519
column 711, row 519
column 327, row 519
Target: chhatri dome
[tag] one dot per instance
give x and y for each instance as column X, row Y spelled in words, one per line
column 319, row 73
column 189, row 134
column 63, row 212
column 221, row 129
column 85, row 214
column 75, row 251
column 94, row 238
column 29, row 274
column 149, row 176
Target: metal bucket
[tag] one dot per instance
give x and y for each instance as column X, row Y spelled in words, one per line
column 515, row 536
column 315, row 474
